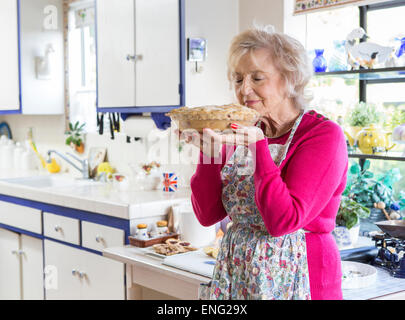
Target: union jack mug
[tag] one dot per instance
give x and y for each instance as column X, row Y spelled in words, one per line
column 169, row 182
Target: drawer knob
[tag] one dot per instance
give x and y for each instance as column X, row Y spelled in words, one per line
column 82, row 274
column 74, row 272
column 58, row 228
column 99, row 239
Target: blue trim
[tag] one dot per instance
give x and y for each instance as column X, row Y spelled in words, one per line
column 182, row 15
column 10, row 112
column 22, row 231
column 138, row 109
column 74, row 246
column 96, row 45
column 19, row 110
column 98, row 218
column 19, row 51
column 182, row 84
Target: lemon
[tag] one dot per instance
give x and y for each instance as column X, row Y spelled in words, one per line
column 53, row 167
column 106, row 168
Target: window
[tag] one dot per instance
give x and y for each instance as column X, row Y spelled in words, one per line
column 82, row 65
column 327, row 30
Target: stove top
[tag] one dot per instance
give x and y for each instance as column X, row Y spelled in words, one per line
column 391, row 254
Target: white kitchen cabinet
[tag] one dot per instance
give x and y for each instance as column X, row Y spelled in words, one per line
column 138, row 53
column 21, row 267
column 80, row 275
column 9, row 57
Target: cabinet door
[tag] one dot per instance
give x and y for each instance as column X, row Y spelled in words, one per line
column 157, row 42
column 63, row 264
column 9, row 56
column 115, row 47
column 103, row 278
column 32, row 268
column 10, row 272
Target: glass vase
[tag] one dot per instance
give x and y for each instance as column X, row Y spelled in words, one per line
column 319, row 62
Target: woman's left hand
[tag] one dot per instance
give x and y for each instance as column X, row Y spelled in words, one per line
column 243, row 135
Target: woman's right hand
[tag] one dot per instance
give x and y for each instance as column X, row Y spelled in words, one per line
column 209, row 142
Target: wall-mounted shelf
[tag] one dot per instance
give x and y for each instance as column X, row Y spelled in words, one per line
column 367, row 74
column 395, row 156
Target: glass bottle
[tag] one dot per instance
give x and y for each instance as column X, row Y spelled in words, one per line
column 319, row 62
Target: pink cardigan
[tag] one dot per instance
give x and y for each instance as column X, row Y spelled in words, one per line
column 304, row 192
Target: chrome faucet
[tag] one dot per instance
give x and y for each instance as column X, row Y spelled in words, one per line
column 84, row 163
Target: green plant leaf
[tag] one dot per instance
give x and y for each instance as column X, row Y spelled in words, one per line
column 366, row 165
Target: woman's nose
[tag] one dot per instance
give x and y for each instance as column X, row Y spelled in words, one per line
column 246, row 87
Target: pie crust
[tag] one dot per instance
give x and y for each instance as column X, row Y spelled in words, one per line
column 218, row 118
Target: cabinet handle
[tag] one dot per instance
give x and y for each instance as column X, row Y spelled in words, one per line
column 82, row 274
column 74, row 272
column 135, row 57
column 99, row 239
column 18, row 252
column 58, row 228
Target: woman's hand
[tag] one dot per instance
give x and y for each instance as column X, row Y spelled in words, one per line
column 209, row 142
column 243, row 135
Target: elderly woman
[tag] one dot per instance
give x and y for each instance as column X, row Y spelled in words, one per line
column 280, row 182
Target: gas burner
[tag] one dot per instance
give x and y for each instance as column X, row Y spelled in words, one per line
column 391, row 254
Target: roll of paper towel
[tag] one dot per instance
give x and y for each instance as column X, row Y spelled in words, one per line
column 190, row 228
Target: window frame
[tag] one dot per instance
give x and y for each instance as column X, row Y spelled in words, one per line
column 363, row 10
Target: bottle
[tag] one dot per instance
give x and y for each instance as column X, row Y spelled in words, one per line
column 18, row 151
column 319, row 62
column 7, row 155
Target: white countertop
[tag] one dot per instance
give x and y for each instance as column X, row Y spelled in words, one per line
column 101, row 198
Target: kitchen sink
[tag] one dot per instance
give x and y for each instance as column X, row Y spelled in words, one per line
column 49, row 181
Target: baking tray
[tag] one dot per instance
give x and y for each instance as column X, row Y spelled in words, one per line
column 150, row 242
column 394, row 228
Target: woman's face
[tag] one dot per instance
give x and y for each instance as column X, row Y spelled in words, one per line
column 258, row 84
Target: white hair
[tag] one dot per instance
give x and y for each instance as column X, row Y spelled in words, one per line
column 288, row 56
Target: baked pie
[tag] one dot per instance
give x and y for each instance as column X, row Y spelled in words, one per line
column 217, row 118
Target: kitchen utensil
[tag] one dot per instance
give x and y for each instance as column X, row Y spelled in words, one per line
column 33, row 147
column 100, row 123
column 5, row 130
column 394, row 228
column 111, row 126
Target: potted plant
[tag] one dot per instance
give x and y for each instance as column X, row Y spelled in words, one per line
column 361, row 115
column 75, row 136
column 348, row 221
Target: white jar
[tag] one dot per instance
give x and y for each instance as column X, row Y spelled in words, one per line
column 7, row 156
column 28, row 160
column 18, row 151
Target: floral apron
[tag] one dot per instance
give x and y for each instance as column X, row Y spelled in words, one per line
column 252, row 264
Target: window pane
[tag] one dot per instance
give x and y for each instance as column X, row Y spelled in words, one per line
column 383, row 26
column 333, row 96
column 328, row 30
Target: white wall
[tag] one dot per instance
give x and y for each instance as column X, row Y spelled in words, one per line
column 217, row 21
column 262, row 12
column 41, row 96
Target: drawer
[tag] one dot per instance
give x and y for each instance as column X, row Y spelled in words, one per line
column 98, row 237
column 62, row 228
column 21, row 217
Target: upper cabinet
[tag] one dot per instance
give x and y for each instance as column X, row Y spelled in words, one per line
column 32, row 57
column 9, row 57
column 42, row 57
column 140, row 55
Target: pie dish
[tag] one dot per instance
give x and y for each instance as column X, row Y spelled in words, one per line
column 218, row 118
